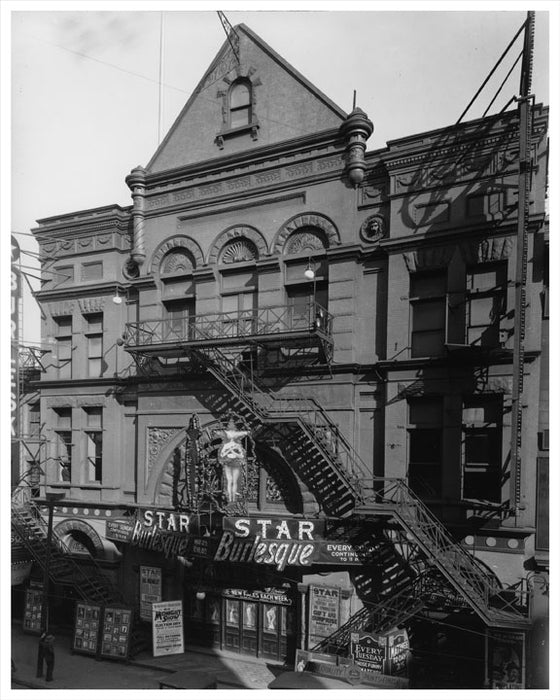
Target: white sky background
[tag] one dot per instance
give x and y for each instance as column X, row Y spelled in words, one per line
column 85, row 94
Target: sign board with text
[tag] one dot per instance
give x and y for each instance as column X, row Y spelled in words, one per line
column 150, row 590
column 167, row 628
column 324, row 612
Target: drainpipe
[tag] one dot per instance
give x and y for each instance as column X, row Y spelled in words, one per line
column 136, row 182
column 356, row 129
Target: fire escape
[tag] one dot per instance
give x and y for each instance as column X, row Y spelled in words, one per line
column 325, row 459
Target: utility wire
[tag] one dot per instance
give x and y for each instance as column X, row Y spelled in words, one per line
column 503, row 83
column 492, row 72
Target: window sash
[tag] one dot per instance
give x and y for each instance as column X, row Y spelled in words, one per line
column 94, row 455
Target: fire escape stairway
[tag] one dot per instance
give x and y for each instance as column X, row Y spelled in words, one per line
column 379, row 618
column 30, row 525
column 90, row 583
column 478, row 586
column 309, row 438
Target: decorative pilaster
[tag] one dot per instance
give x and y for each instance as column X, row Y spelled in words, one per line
column 136, row 182
column 356, row 129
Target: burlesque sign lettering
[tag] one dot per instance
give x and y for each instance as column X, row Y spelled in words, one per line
column 269, row 541
column 162, row 531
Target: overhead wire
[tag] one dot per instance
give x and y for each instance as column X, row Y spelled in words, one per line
column 491, row 72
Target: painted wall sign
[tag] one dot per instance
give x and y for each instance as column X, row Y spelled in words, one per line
column 506, row 660
column 167, row 628
column 369, row 651
column 119, row 530
column 324, row 612
column 115, row 632
column 150, row 590
column 86, row 628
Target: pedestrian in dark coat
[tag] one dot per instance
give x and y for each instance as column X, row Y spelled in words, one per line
column 46, row 653
column 49, row 655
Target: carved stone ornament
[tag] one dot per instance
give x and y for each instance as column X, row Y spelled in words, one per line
column 157, row 438
column 252, row 239
column 177, row 262
column 241, row 250
column 304, row 242
column 373, row 229
column 429, row 258
column 307, row 221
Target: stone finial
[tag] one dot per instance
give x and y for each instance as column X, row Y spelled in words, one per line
column 356, row 129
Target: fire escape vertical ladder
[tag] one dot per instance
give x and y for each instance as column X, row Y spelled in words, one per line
column 475, row 584
column 301, row 420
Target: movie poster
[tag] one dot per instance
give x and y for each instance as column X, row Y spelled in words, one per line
column 167, row 627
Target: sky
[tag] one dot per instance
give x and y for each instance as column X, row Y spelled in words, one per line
column 85, row 94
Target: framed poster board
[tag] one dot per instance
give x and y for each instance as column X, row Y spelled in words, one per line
column 115, row 632
column 167, row 628
column 150, row 590
column 86, row 628
column 32, row 612
column 506, row 659
column 324, row 612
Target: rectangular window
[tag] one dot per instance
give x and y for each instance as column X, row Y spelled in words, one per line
column 94, row 337
column 34, row 420
column 92, row 271
column 300, row 303
column 486, row 303
column 64, row 274
column 94, row 444
column 424, row 448
column 63, row 340
column 179, row 316
column 428, row 308
column 240, row 310
column 63, row 446
column 482, row 437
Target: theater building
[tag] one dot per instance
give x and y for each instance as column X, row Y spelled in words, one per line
column 281, row 382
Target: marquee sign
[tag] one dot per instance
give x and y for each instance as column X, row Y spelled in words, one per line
column 273, row 541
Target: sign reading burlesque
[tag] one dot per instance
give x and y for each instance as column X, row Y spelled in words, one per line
column 269, row 541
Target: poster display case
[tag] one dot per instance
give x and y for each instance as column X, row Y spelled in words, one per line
column 86, row 628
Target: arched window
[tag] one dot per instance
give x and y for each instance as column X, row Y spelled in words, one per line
column 240, row 104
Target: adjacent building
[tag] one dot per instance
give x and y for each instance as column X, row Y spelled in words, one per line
column 287, row 373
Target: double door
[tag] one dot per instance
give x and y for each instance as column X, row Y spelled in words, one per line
column 258, row 628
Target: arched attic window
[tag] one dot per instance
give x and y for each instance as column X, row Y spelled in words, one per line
column 240, row 103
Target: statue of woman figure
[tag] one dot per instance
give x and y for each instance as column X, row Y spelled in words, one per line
column 233, row 458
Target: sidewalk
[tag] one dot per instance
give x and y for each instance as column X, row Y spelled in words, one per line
column 144, row 672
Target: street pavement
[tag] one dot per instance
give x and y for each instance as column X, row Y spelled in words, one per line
column 79, row 671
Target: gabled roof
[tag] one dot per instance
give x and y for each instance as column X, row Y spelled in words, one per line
column 285, row 105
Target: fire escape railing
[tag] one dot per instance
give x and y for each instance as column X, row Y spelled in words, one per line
column 30, row 525
column 477, row 585
column 270, row 407
column 378, row 618
column 234, row 325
